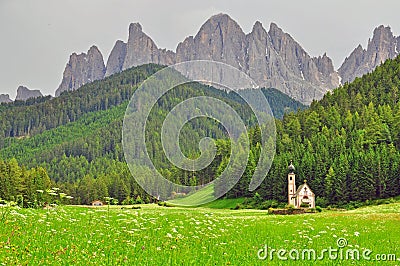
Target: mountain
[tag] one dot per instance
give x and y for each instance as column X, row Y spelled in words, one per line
column 81, row 69
column 116, row 59
column 23, row 93
column 140, row 49
column 381, row 47
column 5, row 98
column 272, row 58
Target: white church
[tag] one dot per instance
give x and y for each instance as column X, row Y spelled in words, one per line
column 303, row 195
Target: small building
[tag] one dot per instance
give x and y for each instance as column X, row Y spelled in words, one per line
column 97, row 203
column 301, row 197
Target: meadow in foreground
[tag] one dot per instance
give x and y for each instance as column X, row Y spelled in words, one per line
column 154, row 235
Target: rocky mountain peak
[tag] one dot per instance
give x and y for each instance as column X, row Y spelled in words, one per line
column 272, row 58
column 221, row 18
column 258, row 29
column 258, row 25
column 81, row 69
column 23, row 93
column 382, row 46
column 141, row 49
column 220, row 38
column 324, row 64
column 94, row 52
column 135, row 28
column 116, row 59
column 5, row 98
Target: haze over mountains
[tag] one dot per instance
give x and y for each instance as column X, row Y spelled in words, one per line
column 272, row 58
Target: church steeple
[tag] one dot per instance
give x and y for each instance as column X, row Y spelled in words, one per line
column 291, row 185
column 291, row 167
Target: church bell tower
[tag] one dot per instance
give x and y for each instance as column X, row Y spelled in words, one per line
column 291, row 185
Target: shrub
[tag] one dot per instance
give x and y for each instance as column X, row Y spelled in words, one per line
column 304, row 205
column 318, row 209
column 139, row 200
column 257, row 198
column 290, row 207
column 321, row 201
column 237, row 207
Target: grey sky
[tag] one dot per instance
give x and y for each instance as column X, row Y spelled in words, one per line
column 37, row 36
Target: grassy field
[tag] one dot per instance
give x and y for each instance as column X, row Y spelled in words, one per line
column 154, row 235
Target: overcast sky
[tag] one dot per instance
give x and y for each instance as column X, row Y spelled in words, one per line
column 37, row 36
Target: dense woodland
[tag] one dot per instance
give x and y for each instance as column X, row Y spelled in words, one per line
column 347, row 145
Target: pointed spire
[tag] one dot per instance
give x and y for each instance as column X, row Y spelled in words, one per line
column 291, row 167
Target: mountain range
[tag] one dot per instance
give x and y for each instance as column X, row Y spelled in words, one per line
column 272, row 58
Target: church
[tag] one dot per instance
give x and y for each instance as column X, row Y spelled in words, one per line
column 301, row 197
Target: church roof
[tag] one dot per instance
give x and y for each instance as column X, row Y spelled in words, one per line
column 302, row 187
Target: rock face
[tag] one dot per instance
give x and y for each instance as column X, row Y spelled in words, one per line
column 219, row 39
column 271, row 58
column 23, row 93
column 82, row 69
column 5, row 98
column 116, row 59
column 140, row 49
column 381, row 47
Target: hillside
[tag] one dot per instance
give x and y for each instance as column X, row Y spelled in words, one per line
column 77, row 136
column 346, row 145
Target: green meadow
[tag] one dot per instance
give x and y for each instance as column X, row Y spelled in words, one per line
column 155, row 235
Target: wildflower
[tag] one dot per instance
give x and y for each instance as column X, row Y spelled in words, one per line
column 356, row 233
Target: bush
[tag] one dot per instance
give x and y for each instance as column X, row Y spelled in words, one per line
column 164, row 204
column 304, row 205
column 139, row 200
column 237, row 207
column 318, row 209
column 20, row 201
column 321, row 201
column 290, row 207
column 257, row 198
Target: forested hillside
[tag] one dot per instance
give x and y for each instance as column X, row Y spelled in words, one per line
column 77, row 136
column 346, row 145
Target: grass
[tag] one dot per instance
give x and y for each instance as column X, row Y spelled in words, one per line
column 224, row 203
column 154, row 235
column 202, row 196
